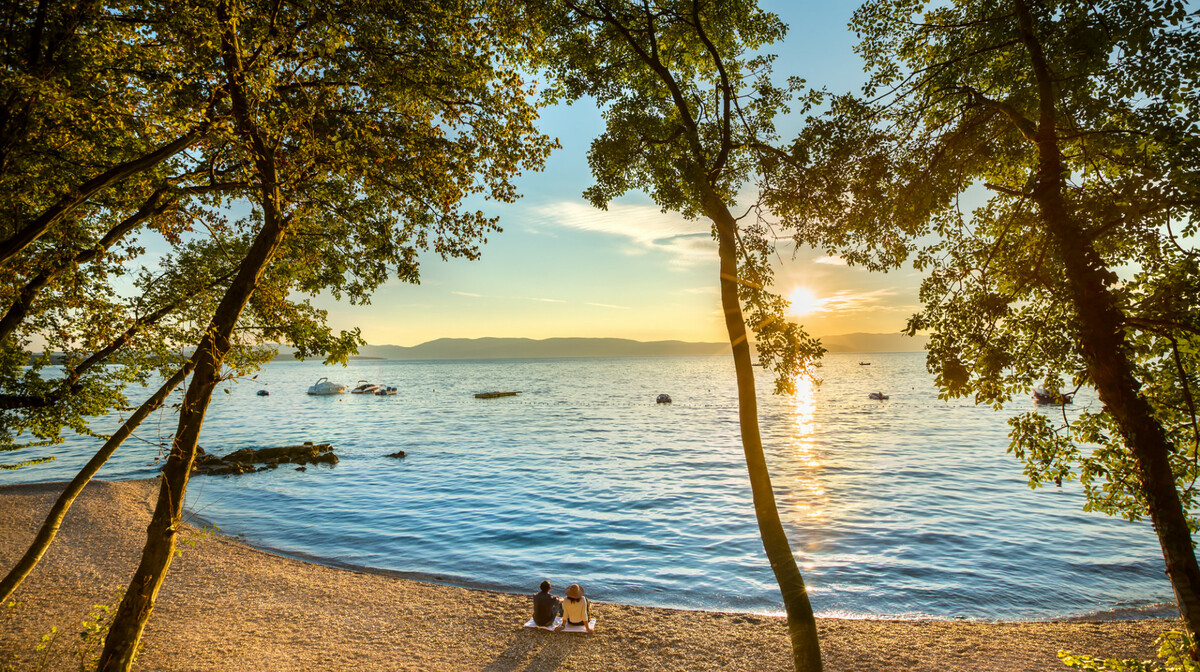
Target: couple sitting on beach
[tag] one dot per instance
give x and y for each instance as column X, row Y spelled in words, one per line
column 575, row 609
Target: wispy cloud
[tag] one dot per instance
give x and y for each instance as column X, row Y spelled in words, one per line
column 830, row 261
column 467, row 294
column 847, row 301
column 605, row 305
column 535, row 298
column 648, row 228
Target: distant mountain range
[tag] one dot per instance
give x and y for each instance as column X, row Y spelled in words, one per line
column 527, row 348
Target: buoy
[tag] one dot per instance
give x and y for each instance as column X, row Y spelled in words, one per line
column 664, row 398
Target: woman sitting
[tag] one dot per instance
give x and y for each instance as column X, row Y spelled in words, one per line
column 575, row 609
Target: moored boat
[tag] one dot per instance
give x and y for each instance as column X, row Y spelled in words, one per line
column 363, row 387
column 1047, row 397
column 324, row 387
column 493, row 395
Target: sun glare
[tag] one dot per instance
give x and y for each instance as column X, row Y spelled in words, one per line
column 803, row 301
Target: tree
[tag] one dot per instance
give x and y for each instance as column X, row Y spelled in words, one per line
column 685, row 101
column 362, row 129
column 1079, row 119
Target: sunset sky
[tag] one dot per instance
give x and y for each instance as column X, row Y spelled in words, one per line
column 564, row 268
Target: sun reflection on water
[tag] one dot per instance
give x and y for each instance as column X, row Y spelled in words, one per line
column 809, row 493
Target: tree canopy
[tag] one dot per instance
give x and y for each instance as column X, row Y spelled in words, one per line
column 1038, row 161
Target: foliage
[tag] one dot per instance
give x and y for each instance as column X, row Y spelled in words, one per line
column 55, row 648
column 936, row 162
column 384, row 119
column 687, row 100
column 1173, row 647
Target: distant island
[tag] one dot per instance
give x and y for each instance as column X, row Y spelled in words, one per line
column 528, row 348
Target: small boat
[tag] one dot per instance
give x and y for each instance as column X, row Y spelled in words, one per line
column 1045, row 397
column 878, row 396
column 363, row 387
column 493, row 395
column 323, row 387
column 664, row 399
column 263, row 393
column 386, row 391
column 864, row 363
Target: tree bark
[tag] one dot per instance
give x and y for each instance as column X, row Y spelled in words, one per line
column 130, row 620
column 802, row 624
column 1100, row 330
column 66, row 498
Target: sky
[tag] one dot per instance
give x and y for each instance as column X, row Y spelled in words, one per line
column 562, row 268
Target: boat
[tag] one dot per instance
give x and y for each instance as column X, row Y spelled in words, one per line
column 878, row 396
column 263, row 393
column 493, row 395
column 1046, row 397
column 384, row 391
column 664, row 399
column 324, row 387
column 864, row 363
column 363, row 387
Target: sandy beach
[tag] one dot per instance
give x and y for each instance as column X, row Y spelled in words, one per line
column 229, row 606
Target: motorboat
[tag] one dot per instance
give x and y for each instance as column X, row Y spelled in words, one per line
column 1046, row 397
column 878, row 396
column 263, row 393
column 324, row 387
column 384, row 391
column 663, row 399
column 495, row 395
column 363, row 387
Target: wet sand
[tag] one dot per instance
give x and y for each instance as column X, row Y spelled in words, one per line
column 228, row 606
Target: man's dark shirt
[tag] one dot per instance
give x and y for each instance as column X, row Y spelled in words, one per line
column 545, row 606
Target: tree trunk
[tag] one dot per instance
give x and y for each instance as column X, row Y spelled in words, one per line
column 1100, row 330
column 65, row 499
column 130, row 620
column 802, row 625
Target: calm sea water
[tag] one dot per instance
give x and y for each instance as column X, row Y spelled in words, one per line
column 905, row 508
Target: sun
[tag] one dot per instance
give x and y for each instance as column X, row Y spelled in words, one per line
column 803, row 301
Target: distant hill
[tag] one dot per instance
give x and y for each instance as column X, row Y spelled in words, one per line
column 527, row 348
column 874, row 343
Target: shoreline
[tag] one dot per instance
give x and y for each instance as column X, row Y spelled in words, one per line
column 1162, row 610
column 229, row 605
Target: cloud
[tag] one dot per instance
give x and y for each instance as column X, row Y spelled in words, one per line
column 534, row 298
column 830, row 261
column 648, row 228
column 605, row 305
column 847, row 301
column 467, row 294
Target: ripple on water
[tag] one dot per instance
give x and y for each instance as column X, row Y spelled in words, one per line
column 904, row 508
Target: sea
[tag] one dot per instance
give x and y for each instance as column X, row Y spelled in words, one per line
column 910, row 507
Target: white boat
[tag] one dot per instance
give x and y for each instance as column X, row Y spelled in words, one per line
column 363, row 387
column 385, row 391
column 324, row 387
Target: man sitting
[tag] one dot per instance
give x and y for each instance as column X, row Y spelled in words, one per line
column 545, row 606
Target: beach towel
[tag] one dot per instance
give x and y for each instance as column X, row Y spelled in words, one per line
column 557, row 622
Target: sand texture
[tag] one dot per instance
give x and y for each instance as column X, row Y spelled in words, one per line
column 227, row 606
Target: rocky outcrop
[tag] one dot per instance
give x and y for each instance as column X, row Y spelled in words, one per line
column 250, row 460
